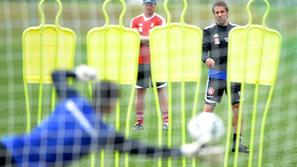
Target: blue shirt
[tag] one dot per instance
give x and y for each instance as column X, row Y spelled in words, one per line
column 71, row 131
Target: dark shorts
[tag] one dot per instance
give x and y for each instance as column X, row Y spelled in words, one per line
column 215, row 89
column 6, row 159
column 144, row 79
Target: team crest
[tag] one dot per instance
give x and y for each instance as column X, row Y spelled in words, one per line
column 216, row 39
column 211, row 91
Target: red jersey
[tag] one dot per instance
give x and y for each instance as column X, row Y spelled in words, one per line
column 143, row 25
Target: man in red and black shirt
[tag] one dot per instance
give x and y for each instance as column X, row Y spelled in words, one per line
column 143, row 23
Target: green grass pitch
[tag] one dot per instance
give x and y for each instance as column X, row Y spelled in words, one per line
column 280, row 143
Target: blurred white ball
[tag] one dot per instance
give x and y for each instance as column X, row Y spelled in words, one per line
column 206, row 128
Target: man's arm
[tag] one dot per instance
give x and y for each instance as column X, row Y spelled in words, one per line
column 194, row 149
column 59, row 78
column 82, row 73
column 120, row 143
column 206, row 45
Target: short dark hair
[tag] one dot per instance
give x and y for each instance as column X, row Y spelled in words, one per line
column 220, row 3
column 104, row 93
column 150, row 1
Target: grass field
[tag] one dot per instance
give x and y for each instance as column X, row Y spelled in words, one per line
column 280, row 137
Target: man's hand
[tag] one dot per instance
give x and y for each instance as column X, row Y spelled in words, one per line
column 210, row 63
column 85, row 73
column 196, row 149
column 190, row 149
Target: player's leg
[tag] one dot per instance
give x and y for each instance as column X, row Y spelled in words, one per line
column 140, row 104
column 209, row 107
column 142, row 84
column 213, row 94
column 162, row 94
column 235, row 109
column 235, row 93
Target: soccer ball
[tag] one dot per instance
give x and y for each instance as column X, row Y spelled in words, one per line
column 206, row 128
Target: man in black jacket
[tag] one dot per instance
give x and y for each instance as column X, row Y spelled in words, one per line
column 215, row 48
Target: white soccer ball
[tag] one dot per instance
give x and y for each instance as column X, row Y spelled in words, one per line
column 206, row 128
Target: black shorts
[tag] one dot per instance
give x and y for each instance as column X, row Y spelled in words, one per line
column 215, row 89
column 6, row 159
column 144, row 79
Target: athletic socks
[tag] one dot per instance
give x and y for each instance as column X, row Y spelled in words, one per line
column 165, row 117
column 140, row 119
column 234, row 137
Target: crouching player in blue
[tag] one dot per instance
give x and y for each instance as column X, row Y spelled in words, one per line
column 75, row 128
